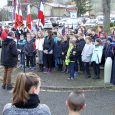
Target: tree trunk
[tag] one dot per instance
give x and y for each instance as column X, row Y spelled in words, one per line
column 106, row 12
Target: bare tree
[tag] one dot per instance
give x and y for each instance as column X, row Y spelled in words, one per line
column 106, row 12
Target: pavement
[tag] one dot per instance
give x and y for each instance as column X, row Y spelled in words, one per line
column 100, row 98
column 100, row 102
column 58, row 81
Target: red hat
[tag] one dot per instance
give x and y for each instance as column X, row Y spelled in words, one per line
column 4, row 35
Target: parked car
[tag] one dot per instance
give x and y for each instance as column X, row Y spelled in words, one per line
column 112, row 19
column 68, row 22
column 100, row 19
column 90, row 23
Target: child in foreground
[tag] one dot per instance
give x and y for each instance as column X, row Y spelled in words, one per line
column 25, row 97
column 75, row 102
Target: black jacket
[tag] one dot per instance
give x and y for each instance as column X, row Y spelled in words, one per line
column 48, row 44
column 73, row 55
column 80, row 45
column 29, row 49
column 9, row 53
column 65, row 46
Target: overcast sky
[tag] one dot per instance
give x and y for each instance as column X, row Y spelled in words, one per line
column 2, row 3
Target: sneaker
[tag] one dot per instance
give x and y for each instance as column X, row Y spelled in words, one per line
column 72, row 78
column 32, row 69
column 69, row 78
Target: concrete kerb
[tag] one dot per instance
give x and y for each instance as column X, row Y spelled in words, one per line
column 77, row 88
column 55, row 88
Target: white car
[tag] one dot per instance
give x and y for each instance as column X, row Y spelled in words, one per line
column 100, row 19
column 90, row 23
column 71, row 23
column 68, row 22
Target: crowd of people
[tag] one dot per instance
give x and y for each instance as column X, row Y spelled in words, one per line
column 69, row 52
column 66, row 51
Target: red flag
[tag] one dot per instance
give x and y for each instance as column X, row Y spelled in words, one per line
column 16, row 16
column 20, row 17
column 28, row 18
column 41, row 13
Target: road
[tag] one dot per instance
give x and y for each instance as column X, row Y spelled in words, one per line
column 101, row 102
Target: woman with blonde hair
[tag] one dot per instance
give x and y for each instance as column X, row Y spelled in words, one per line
column 25, row 97
column 39, row 47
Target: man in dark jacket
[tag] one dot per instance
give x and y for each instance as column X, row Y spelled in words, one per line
column 9, row 56
column 29, row 52
column 80, row 46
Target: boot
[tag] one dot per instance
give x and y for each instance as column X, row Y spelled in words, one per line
column 9, row 87
column 4, row 86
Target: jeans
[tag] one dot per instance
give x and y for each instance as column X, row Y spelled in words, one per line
column 48, row 60
column 40, row 57
column 72, row 69
column 81, row 68
column 86, row 68
column 58, row 61
column 29, row 61
column 96, row 68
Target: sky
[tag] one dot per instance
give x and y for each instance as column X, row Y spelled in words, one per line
column 2, row 3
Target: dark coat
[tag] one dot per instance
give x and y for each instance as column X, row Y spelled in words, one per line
column 29, row 49
column 108, row 51
column 80, row 45
column 9, row 53
column 65, row 46
column 94, row 37
column 57, row 50
column 113, row 73
column 73, row 54
column 48, row 44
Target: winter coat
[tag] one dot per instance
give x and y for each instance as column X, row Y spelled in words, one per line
column 57, row 50
column 73, row 55
column 42, row 109
column 48, row 44
column 67, row 60
column 55, row 39
column 80, row 46
column 39, row 44
column 87, row 52
column 108, row 51
column 65, row 46
column 9, row 53
column 97, row 54
column 31, row 107
column 29, row 48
